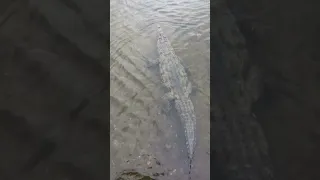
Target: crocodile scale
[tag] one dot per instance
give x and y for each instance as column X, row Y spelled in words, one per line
column 174, row 78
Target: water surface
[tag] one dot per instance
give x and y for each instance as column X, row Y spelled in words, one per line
column 143, row 138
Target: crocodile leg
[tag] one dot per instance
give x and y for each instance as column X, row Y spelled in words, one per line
column 191, row 90
column 167, row 99
column 188, row 72
column 152, row 63
column 194, row 90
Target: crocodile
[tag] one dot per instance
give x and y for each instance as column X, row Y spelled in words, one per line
column 174, row 77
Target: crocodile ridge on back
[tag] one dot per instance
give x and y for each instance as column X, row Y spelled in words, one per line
column 174, row 77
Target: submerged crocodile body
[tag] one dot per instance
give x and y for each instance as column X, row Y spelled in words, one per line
column 174, row 77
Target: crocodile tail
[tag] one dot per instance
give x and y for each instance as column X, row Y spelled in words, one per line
column 190, row 166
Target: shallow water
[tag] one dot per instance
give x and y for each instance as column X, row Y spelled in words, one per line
column 143, row 138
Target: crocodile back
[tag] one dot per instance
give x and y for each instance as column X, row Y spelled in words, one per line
column 173, row 73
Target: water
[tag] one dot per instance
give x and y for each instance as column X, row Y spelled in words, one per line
column 142, row 138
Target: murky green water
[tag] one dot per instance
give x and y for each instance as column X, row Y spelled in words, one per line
column 142, row 138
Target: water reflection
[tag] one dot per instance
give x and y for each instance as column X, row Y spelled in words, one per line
column 142, row 138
